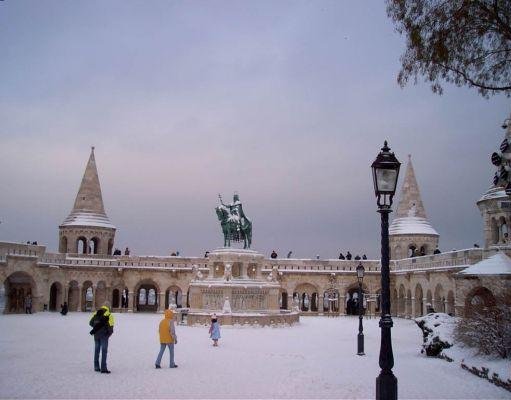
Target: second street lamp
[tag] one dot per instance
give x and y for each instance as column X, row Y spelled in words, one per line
column 360, row 338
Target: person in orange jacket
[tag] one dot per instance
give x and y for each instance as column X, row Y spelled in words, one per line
column 168, row 338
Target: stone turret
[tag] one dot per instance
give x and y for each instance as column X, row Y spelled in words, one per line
column 87, row 229
column 410, row 232
column 495, row 204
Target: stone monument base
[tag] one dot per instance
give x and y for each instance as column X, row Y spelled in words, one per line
column 237, row 291
column 284, row 317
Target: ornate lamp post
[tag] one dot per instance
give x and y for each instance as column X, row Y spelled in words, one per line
column 385, row 173
column 360, row 341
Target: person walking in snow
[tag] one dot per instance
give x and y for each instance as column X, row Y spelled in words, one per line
column 168, row 338
column 214, row 330
column 102, row 322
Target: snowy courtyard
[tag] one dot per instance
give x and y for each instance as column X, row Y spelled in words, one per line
column 46, row 355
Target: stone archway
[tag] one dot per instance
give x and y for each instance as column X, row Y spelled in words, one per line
column 352, row 299
column 331, row 301
column 419, row 304
column 305, row 293
column 450, row 303
column 439, row 299
column 479, row 299
column 429, row 302
column 282, row 299
column 174, row 297
column 116, row 298
column 87, row 296
column 147, row 296
column 94, row 244
column 17, row 287
column 56, row 296
column 63, row 244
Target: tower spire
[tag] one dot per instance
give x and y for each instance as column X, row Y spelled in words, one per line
column 410, row 203
column 88, row 209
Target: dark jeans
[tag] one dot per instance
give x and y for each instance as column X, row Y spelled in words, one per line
column 100, row 344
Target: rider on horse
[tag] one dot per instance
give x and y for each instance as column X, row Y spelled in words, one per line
column 236, row 217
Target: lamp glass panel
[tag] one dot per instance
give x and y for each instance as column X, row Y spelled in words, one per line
column 386, row 179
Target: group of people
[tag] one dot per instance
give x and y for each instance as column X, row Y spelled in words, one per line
column 349, row 256
column 118, row 252
column 341, row 256
column 102, row 323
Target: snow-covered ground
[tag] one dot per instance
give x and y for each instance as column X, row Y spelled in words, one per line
column 46, row 355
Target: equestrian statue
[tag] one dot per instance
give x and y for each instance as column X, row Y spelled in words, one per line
column 236, row 226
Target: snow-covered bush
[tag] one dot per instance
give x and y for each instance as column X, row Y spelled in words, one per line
column 437, row 331
column 487, row 329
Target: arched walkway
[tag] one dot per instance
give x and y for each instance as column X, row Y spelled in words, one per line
column 18, row 286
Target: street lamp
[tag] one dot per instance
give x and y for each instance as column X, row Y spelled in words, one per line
column 360, row 278
column 385, row 173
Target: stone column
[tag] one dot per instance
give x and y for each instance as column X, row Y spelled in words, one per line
column 108, row 296
column 131, row 300
column 94, row 288
column 424, row 306
column 243, row 270
column 342, row 304
column 161, row 301
column 80, row 298
column 413, row 307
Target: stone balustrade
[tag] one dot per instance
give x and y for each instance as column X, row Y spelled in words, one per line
column 448, row 260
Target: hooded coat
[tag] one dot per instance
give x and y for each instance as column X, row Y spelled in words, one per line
column 167, row 329
column 102, row 322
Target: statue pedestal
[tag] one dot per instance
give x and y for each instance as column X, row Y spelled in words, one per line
column 235, row 278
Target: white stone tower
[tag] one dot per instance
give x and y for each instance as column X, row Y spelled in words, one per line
column 87, row 229
column 410, row 232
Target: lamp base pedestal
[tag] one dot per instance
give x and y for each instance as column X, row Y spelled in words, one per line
column 386, row 386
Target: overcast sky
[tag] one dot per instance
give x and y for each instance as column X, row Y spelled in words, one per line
column 286, row 102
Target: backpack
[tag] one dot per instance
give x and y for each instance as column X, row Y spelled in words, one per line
column 98, row 321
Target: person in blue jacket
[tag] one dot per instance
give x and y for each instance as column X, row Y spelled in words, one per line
column 214, row 330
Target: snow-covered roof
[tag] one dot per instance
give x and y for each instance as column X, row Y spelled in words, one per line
column 498, row 264
column 82, row 218
column 494, row 193
column 411, row 225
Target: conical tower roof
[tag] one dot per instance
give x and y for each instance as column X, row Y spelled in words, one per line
column 411, row 215
column 88, row 209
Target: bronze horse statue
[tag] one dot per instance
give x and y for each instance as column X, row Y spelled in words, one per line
column 234, row 228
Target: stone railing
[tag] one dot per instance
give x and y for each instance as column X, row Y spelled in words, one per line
column 170, row 263
column 291, row 265
column 30, row 250
column 452, row 259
